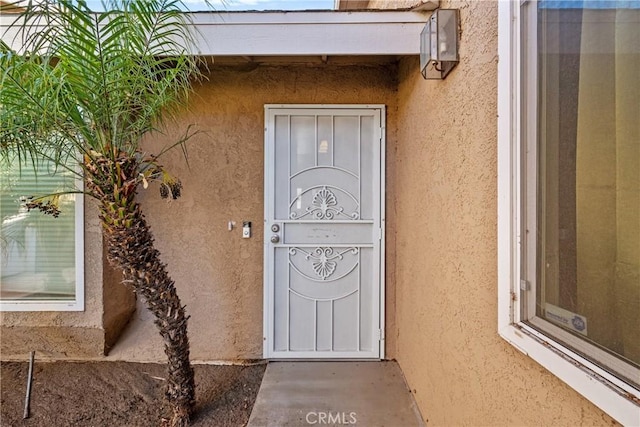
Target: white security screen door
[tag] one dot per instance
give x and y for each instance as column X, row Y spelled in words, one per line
column 324, row 228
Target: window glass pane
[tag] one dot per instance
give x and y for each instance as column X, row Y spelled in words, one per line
column 37, row 251
column 588, row 268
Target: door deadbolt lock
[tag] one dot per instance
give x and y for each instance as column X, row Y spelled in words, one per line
column 275, row 238
column 275, row 228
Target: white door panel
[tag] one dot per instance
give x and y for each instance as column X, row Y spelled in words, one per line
column 323, row 231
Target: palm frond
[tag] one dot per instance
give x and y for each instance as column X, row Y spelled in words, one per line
column 87, row 82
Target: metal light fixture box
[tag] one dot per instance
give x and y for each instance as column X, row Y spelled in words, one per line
column 439, row 44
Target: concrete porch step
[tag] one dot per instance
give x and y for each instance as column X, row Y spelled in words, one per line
column 336, row 394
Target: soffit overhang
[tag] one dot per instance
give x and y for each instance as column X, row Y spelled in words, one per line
column 294, row 34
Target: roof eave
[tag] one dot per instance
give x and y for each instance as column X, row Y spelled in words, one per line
column 305, row 33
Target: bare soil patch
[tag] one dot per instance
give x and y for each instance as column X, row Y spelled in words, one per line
column 122, row 394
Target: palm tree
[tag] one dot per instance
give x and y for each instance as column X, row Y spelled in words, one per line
column 82, row 91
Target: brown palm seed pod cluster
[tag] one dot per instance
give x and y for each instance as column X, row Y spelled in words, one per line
column 171, row 188
column 46, row 208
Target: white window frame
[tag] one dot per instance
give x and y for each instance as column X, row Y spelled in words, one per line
column 52, row 305
column 617, row 398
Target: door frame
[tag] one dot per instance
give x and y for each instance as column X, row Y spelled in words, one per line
column 269, row 189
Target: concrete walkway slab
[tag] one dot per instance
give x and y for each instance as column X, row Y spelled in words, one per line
column 334, row 393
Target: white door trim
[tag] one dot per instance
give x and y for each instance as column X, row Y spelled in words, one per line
column 269, row 189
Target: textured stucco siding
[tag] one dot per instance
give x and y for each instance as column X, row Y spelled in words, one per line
column 460, row 370
column 219, row 275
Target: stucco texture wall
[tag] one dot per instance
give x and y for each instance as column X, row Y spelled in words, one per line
column 218, row 274
column 460, row 371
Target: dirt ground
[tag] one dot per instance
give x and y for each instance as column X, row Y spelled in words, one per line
column 122, row 394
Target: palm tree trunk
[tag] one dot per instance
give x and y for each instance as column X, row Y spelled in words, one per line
column 130, row 248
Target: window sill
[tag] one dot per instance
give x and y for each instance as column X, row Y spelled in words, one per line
column 6, row 306
column 620, row 403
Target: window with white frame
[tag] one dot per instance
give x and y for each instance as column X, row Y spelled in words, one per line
column 41, row 256
column 569, row 193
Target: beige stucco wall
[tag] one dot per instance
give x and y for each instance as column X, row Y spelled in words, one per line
column 218, row 274
column 460, row 370
column 78, row 334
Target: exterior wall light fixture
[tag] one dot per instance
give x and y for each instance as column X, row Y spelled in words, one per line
column 439, row 44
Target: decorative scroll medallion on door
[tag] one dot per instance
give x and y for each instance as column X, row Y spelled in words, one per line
column 324, row 205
